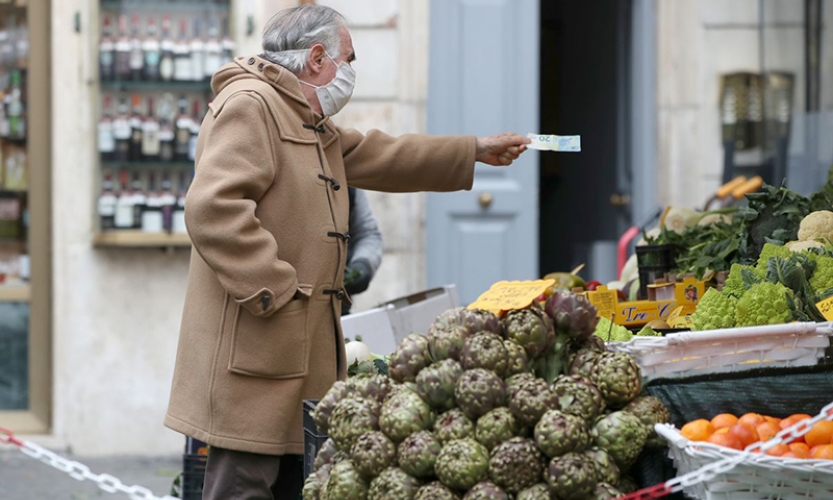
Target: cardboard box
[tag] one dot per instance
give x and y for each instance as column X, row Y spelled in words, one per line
column 383, row 327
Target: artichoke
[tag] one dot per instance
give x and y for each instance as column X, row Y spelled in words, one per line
column 418, row 453
column 578, row 396
column 571, row 477
column 447, row 343
column 350, row 419
column 627, row 484
column 651, row 411
column 572, row 314
column 453, row 424
column 436, row 383
column 495, row 427
column 346, row 483
column 410, row 357
column 581, row 363
column 517, row 360
column 436, row 491
column 516, row 464
column 558, row 433
column 473, row 320
column 462, row 463
column 393, row 484
column 372, row 388
column 325, row 453
column 622, row 435
column 405, row 413
column 322, row 478
column 325, row 406
column 531, row 401
column 485, row 350
column 478, row 391
column 515, row 382
column 606, row 469
column 311, row 489
column 605, row 491
column 373, row 453
column 539, row 491
column 618, row 377
column 531, row 329
column 486, row 491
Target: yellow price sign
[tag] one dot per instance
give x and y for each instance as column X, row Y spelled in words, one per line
column 825, row 307
column 510, row 295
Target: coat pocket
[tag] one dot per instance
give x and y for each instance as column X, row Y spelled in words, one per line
column 273, row 347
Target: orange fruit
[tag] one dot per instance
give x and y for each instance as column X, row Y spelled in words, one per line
column 726, row 439
column 697, row 430
column 747, row 435
column 822, row 452
column 772, row 420
column 800, row 449
column 791, row 454
column 751, row 419
column 767, row 430
column 722, row 430
column 778, row 450
column 793, row 419
column 724, row 420
column 820, row 433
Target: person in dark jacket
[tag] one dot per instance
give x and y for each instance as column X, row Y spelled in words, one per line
column 364, row 251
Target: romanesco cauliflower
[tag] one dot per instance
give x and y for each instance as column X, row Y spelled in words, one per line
column 715, row 310
column 764, row 304
column 769, row 251
column 822, row 278
column 647, row 331
column 616, row 333
column 734, row 285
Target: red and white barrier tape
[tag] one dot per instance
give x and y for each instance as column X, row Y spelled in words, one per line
column 712, row 470
column 77, row 470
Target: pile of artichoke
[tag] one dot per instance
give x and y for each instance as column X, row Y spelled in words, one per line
column 528, row 406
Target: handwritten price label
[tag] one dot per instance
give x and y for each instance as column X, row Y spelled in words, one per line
column 510, row 295
column 825, row 307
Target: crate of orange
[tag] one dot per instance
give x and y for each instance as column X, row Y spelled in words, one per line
column 788, row 457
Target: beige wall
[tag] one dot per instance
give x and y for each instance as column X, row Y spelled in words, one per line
column 698, row 41
column 116, row 312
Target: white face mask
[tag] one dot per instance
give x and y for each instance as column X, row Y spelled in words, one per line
column 336, row 94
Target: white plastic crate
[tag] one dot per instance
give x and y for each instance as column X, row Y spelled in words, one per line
column 732, row 349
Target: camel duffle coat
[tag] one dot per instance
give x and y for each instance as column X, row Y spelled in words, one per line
column 267, row 213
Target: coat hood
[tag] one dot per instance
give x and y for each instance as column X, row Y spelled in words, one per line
column 257, row 67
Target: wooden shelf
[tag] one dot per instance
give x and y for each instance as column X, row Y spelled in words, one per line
column 15, row 293
column 146, row 165
column 139, row 239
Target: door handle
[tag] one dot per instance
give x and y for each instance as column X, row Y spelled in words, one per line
column 485, row 199
column 620, row 200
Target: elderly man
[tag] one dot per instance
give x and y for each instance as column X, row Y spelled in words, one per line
column 267, row 215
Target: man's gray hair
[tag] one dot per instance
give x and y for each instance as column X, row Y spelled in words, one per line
column 291, row 33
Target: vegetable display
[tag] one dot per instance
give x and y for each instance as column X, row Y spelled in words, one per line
column 526, row 406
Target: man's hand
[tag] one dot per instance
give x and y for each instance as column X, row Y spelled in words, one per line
column 362, row 278
column 500, row 150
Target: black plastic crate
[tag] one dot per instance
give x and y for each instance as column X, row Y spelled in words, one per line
column 193, row 468
column 653, row 262
column 312, row 439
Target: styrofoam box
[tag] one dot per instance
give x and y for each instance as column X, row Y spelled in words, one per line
column 383, row 327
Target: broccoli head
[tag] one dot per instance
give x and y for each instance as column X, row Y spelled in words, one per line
column 764, row 304
column 714, row 311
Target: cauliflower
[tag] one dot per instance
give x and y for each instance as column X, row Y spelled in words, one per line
column 714, row 311
column 710, row 219
column 764, row 304
column 816, row 225
column 678, row 219
column 617, row 333
column 801, row 246
column 734, row 286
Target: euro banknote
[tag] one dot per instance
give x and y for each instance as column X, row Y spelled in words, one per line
column 563, row 143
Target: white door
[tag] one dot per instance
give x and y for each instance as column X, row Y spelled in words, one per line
column 483, row 80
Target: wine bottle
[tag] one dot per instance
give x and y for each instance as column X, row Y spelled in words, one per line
column 166, row 62
column 106, row 52
column 152, row 51
column 150, row 135
column 183, row 131
column 137, row 54
column 106, row 139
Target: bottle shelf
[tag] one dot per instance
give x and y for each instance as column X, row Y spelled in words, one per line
column 139, row 239
column 164, row 6
column 146, row 165
column 15, row 293
column 14, row 140
column 156, row 86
